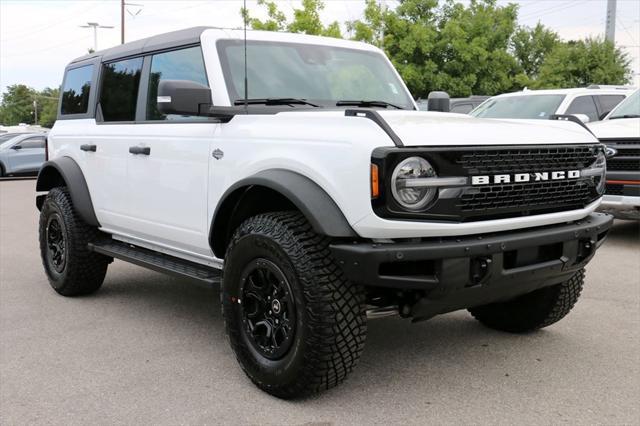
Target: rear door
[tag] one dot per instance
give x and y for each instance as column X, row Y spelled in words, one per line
column 167, row 170
column 106, row 144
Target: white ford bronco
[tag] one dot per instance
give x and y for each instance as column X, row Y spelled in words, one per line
column 296, row 172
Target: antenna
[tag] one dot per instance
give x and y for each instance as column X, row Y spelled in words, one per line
column 246, row 80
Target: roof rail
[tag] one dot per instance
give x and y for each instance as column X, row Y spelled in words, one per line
column 609, row 86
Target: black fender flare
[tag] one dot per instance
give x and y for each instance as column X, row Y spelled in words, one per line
column 316, row 205
column 65, row 171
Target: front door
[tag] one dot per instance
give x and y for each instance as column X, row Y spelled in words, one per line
column 168, row 161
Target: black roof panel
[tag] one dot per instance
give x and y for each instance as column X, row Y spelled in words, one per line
column 157, row 42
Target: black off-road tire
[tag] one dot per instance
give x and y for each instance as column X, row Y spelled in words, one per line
column 330, row 313
column 82, row 271
column 532, row 311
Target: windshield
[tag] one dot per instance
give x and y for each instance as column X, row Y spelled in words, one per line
column 322, row 75
column 630, row 107
column 527, row 106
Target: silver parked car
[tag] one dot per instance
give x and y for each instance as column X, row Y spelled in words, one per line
column 23, row 153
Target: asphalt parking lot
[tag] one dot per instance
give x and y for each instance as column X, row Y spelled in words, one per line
column 149, row 348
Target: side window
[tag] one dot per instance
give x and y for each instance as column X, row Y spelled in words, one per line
column 75, row 94
column 462, row 108
column 119, row 91
column 584, row 105
column 184, row 64
column 608, row 102
column 32, row 143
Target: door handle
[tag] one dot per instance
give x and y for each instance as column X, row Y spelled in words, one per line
column 88, row 148
column 143, row 150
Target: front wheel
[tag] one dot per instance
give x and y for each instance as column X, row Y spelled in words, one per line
column 296, row 325
column 534, row 310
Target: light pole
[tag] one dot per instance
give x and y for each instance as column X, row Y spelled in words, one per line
column 95, row 27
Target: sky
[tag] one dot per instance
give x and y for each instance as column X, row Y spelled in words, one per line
column 39, row 37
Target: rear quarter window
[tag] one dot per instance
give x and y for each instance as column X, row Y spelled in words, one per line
column 76, row 90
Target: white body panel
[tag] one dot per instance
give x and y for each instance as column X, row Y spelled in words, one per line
column 618, row 128
column 166, row 201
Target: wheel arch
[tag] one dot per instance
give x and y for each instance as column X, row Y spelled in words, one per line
column 64, row 171
column 273, row 190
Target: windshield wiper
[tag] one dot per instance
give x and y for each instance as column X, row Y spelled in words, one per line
column 274, row 101
column 366, row 104
column 625, row 116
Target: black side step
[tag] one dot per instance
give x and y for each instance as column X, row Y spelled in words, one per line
column 157, row 261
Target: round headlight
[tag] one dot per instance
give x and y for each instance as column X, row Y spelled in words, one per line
column 406, row 191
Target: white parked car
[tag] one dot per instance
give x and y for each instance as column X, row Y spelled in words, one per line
column 589, row 104
column 620, row 131
column 316, row 196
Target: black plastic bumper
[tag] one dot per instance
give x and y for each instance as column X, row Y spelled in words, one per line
column 474, row 270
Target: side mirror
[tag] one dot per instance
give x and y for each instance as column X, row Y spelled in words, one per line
column 183, row 97
column 438, row 101
column 582, row 117
column 16, row 147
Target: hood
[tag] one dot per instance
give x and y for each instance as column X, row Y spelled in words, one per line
column 417, row 128
column 617, row 128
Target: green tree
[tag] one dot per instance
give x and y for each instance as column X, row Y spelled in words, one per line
column 530, row 46
column 453, row 47
column 306, row 20
column 277, row 21
column 47, row 106
column 583, row 62
column 17, row 105
column 371, row 29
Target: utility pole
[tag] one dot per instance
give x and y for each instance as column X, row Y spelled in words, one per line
column 610, row 29
column 95, row 27
column 123, row 5
column 121, row 21
column 35, row 109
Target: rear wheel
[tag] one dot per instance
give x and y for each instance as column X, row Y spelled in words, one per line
column 534, row 310
column 71, row 268
column 296, row 325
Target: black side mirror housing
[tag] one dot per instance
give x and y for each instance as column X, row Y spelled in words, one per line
column 183, row 97
column 438, row 101
column 16, row 147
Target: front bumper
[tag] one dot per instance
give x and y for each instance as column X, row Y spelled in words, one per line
column 457, row 273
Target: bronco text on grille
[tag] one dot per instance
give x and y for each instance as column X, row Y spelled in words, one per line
column 501, row 181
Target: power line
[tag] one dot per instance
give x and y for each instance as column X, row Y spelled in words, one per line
column 46, row 48
column 554, row 9
column 619, row 21
column 41, row 28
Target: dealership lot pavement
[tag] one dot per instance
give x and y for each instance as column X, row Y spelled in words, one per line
column 148, row 348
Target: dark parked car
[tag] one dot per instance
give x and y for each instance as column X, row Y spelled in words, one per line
column 21, row 153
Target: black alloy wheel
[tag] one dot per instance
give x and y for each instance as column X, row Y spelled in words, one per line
column 267, row 309
column 56, row 243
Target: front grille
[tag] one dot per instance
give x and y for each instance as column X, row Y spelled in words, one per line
column 627, row 158
column 521, row 160
column 623, row 165
column 557, row 195
column 495, row 201
column 614, row 189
